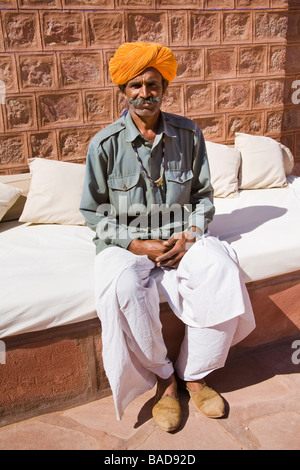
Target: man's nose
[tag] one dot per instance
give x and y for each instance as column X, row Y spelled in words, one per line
column 144, row 91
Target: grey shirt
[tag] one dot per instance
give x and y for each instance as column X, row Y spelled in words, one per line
column 120, row 203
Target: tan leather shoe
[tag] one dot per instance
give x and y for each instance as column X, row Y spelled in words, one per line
column 208, row 401
column 167, row 413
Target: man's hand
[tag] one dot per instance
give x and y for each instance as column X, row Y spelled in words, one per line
column 167, row 253
column 152, row 248
column 176, row 247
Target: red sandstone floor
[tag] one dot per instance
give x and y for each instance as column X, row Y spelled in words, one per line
column 261, row 391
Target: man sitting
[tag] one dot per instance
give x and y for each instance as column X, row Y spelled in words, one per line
column 148, row 196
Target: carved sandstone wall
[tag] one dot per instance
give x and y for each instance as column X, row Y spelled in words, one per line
column 237, row 62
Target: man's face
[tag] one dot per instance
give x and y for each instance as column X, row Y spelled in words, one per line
column 144, row 93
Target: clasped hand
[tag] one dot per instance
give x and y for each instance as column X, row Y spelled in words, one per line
column 167, row 253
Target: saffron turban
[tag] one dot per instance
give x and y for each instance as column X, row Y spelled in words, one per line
column 131, row 59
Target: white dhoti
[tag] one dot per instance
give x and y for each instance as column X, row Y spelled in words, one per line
column 206, row 292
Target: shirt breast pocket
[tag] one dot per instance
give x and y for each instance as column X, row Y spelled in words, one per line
column 179, row 183
column 124, row 191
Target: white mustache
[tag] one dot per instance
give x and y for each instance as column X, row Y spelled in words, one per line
column 140, row 101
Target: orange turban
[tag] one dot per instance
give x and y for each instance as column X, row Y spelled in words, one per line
column 132, row 58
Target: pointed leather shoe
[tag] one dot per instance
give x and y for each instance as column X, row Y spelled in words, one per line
column 167, row 413
column 208, row 401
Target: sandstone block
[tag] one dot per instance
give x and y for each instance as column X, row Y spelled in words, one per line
column 190, row 63
column 13, row 150
column 237, row 27
column 293, row 31
column 8, row 73
column 217, row 5
column 180, row 4
column 268, row 93
column 20, row 112
column 1, row 39
column 73, row 142
column 178, row 25
column 105, row 29
column 277, row 60
column 135, row 3
column 63, row 30
column 297, row 148
column 204, row 28
column 213, row 127
column 43, row 4
column 37, row 71
column 288, row 90
column 292, row 58
column 81, row 69
column 121, row 104
column 252, row 4
column 107, row 56
column 200, row 98
column 291, row 118
column 293, row 3
column 250, row 123
column 288, row 141
column 8, row 4
column 280, row 3
column 99, row 106
column 93, row 4
column 42, row 145
column 220, row 62
column 57, row 366
column 271, row 26
column 21, row 30
column 274, row 122
column 2, row 130
column 173, row 100
column 148, row 27
column 252, row 60
column 62, row 108
column 233, row 95
column 296, row 169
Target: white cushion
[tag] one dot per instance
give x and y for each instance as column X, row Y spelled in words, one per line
column 288, row 159
column 55, row 193
column 262, row 164
column 8, row 196
column 224, row 165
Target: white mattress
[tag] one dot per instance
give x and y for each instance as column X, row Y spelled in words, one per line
column 263, row 227
column 46, row 277
column 47, row 271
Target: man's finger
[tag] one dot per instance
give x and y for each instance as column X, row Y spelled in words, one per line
column 169, row 254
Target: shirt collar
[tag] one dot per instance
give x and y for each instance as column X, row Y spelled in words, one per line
column 132, row 131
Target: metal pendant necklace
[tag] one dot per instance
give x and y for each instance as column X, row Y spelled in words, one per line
column 159, row 181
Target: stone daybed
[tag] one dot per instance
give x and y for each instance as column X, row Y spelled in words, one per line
column 48, row 321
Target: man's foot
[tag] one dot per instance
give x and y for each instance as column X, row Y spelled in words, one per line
column 206, row 400
column 166, row 409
